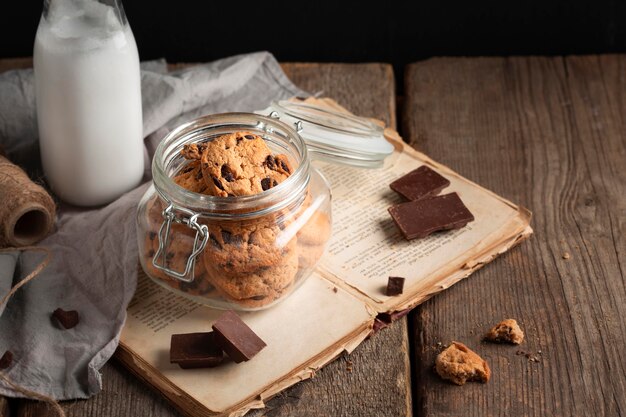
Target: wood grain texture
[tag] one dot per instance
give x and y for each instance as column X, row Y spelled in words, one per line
column 4, row 407
column 373, row 381
column 549, row 134
column 15, row 63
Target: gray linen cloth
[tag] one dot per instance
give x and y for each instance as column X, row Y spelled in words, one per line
column 94, row 251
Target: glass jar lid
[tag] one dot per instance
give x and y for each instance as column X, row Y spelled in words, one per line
column 334, row 136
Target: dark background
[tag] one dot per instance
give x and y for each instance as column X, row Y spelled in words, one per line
column 398, row 32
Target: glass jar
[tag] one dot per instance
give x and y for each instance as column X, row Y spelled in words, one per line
column 242, row 252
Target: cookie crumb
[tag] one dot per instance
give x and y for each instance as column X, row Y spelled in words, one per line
column 506, row 331
column 459, row 364
column 335, row 290
column 566, row 255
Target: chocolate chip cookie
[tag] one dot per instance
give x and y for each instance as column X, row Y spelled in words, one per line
column 313, row 234
column 240, row 164
column 190, row 177
column 245, row 246
column 257, row 288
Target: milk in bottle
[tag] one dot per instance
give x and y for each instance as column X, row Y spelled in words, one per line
column 88, row 93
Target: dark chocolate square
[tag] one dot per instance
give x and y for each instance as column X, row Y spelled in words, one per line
column 417, row 219
column 236, row 338
column 420, row 183
column 195, row 350
column 395, row 286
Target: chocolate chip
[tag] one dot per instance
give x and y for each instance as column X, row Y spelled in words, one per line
column 150, row 253
column 227, row 174
column 151, row 235
column 284, row 166
column 217, row 183
column 169, row 256
column 199, row 175
column 67, row 319
column 226, row 236
column 239, row 140
column 270, row 162
column 189, row 285
column 266, row 183
column 187, row 169
column 249, row 137
column 6, row 360
column 258, row 297
column 214, row 241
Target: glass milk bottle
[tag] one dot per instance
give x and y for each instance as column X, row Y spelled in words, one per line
column 88, row 92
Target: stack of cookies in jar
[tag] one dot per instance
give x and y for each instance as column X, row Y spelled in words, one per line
column 248, row 262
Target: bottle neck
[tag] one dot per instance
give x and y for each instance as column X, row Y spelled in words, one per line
column 94, row 10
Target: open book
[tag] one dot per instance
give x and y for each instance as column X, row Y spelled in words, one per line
column 339, row 305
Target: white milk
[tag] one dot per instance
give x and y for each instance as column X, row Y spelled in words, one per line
column 88, row 93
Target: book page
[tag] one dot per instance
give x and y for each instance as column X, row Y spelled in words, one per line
column 315, row 319
column 367, row 247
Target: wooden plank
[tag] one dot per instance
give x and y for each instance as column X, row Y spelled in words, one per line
column 374, row 379
column 15, row 63
column 4, row 407
column 548, row 133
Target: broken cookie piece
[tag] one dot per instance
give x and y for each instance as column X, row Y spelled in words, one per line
column 507, row 331
column 459, row 364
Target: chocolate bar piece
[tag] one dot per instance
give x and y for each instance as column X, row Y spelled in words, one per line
column 195, row 350
column 417, row 219
column 395, row 286
column 420, row 183
column 67, row 319
column 236, row 338
column 6, row 360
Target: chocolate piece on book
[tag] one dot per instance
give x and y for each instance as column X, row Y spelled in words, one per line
column 395, row 286
column 420, row 183
column 236, row 338
column 67, row 319
column 195, row 350
column 417, row 219
column 6, row 360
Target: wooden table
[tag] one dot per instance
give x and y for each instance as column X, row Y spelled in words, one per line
column 547, row 133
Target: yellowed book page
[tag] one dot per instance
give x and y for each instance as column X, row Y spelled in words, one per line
column 316, row 317
column 367, row 247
